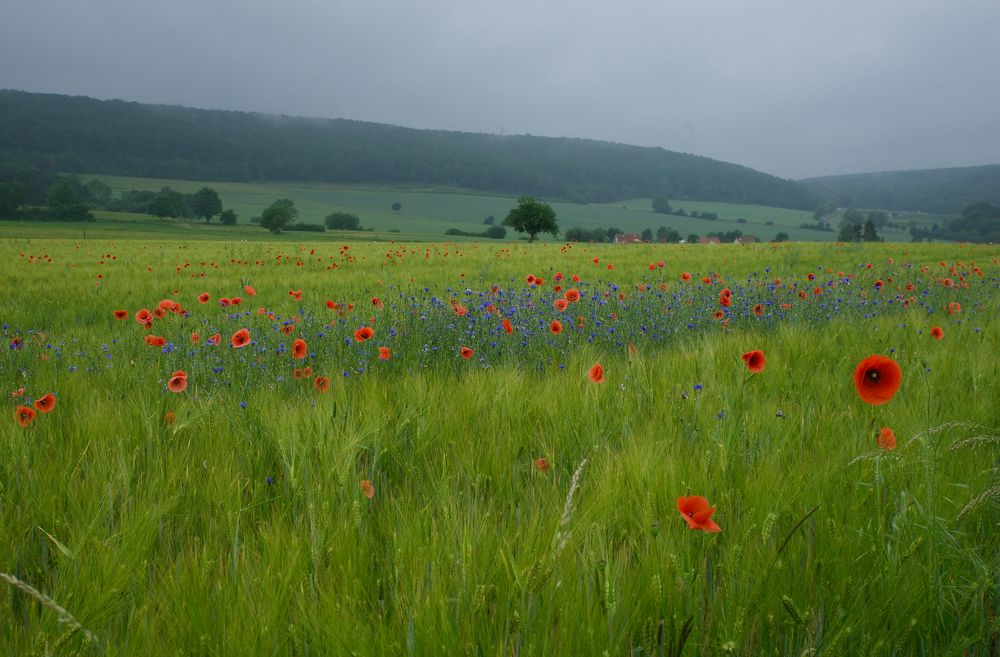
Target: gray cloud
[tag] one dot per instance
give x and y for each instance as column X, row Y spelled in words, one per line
column 791, row 87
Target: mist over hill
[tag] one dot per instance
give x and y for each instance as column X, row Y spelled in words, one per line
column 945, row 191
column 114, row 137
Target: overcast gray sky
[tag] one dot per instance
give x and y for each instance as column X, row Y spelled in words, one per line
column 796, row 88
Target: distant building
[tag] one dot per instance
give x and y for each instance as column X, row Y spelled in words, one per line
column 627, row 238
column 709, row 240
column 746, row 239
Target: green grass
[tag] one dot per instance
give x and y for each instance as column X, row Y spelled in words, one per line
column 240, row 529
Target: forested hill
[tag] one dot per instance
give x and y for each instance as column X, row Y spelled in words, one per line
column 84, row 135
column 945, row 191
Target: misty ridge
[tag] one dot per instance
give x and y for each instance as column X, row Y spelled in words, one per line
column 83, row 135
column 113, row 137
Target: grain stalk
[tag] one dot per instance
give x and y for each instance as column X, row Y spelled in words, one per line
column 64, row 616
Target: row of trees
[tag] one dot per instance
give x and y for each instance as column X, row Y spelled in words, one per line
column 663, row 235
column 282, row 215
column 980, row 223
column 852, row 232
column 662, row 206
column 493, row 232
column 203, row 204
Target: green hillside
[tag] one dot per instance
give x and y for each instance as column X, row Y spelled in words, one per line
column 942, row 191
column 63, row 133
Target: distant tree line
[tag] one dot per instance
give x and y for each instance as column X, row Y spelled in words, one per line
column 493, row 232
column 62, row 133
column 729, row 236
column 664, row 235
column 662, row 206
column 944, row 191
column 980, row 222
column 30, row 194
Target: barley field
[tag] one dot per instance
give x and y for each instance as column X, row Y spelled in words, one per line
column 276, row 448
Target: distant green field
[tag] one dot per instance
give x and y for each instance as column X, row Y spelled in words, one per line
column 425, row 215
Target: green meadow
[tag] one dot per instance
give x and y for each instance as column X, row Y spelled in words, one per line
column 425, row 214
column 506, row 503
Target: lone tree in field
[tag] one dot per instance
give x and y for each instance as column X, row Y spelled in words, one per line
column 228, row 218
column 397, row 206
column 279, row 214
column 532, row 216
column 206, row 203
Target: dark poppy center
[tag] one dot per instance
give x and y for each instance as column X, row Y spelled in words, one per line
column 690, row 514
column 873, row 375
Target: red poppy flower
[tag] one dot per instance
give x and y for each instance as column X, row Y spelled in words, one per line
column 572, row 295
column 367, row 489
column 755, row 360
column 507, row 326
column 541, row 464
column 685, row 276
column 204, row 298
column 937, row 333
column 530, row 279
column 560, row 304
column 376, row 302
column 24, row 415
column 249, row 290
column 155, row 340
column 596, row 373
column 697, row 513
column 466, row 353
column 121, row 314
column 236, row 301
column 384, row 353
column 17, row 393
column 322, row 383
column 307, row 372
column 240, row 338
column 178, row 381
column 726, row 301
column 580, row 321
column 46, row 404
column 555, row 327
column 159, row 313
column 295, row 294
column 877, row 379
column 195, row 338
column 144, row 317
column 17, row 343
column 299, row 349
column 214, row 340
column 954, row 307
column 758, row 310
column 817, row 291
column 169, row 417
column 363, row 334
column 886, row 439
